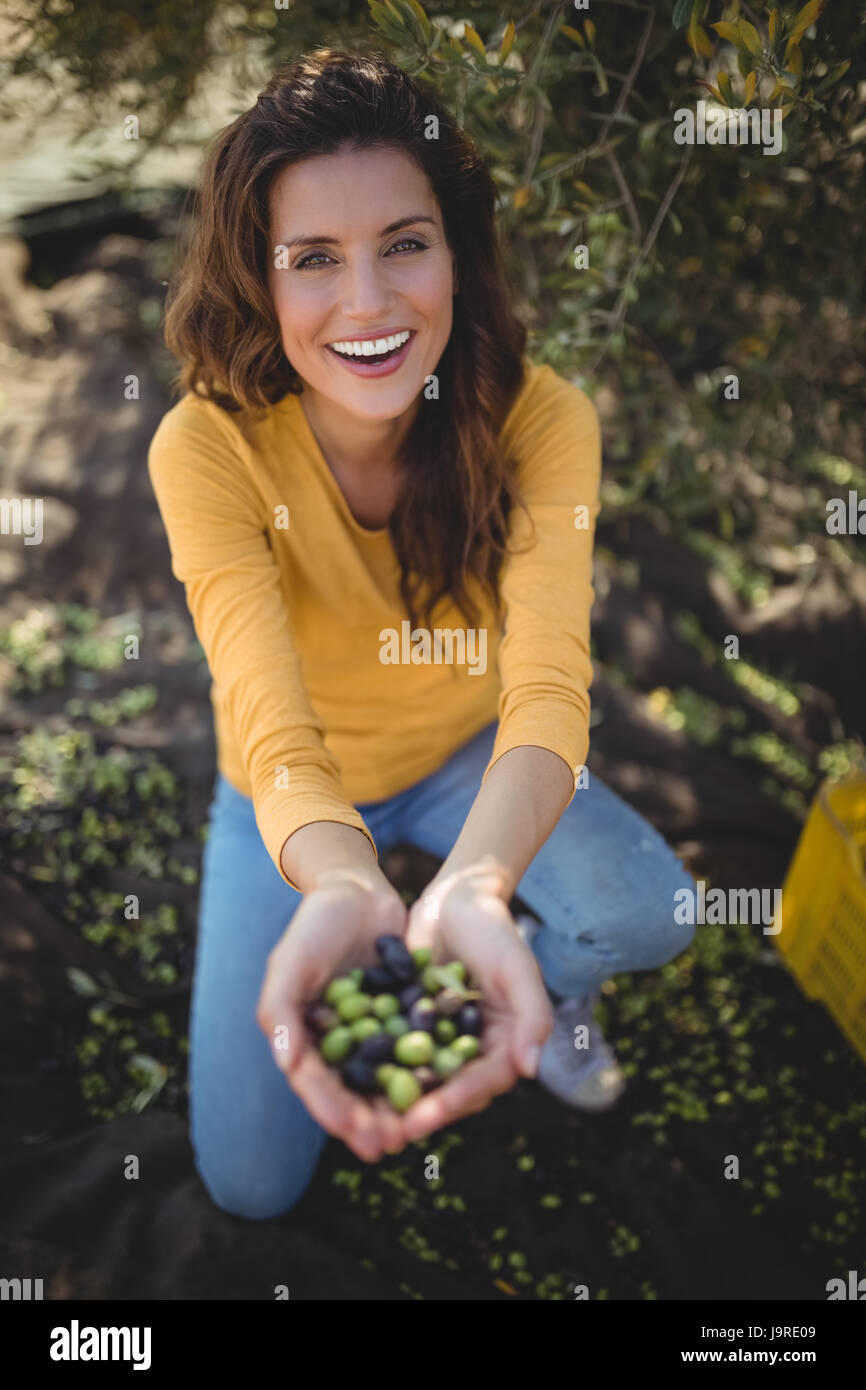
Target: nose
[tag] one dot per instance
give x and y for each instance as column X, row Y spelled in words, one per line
column 367, row 294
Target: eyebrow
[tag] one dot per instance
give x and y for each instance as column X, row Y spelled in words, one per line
column 335, row 241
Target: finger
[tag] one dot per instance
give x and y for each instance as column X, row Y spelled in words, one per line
column 471, row 1090
column 394, row 1139
column 533, row 1018
column 336, row 1109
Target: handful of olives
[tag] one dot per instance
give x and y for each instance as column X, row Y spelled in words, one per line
column 399, row 1028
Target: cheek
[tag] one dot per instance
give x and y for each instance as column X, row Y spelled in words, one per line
column 433, row 288
column 299, row 307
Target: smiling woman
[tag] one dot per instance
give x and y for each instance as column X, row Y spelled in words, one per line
column 350, row 359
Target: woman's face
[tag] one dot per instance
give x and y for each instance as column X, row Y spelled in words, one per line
column 366, row 261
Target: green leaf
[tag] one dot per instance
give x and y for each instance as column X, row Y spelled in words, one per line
column 805, row 19
column 383, row 21
column 724, row 81
column 472, row 37
column 750, row 37
column 682, row 10
column 424, row 26
column 833, row 76
column 507, row 41
column 725, row 31
column 599, row 72
column 574, row 34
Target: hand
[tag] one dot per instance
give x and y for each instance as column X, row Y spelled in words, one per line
column 332, row 931
column 466, row 918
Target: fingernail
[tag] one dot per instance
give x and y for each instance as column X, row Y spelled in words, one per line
column 531, row 1058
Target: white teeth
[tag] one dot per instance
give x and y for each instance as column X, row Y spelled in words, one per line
column 371, row 346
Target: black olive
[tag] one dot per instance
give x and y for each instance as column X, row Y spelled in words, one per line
column 422, row 1015
column 469, row 1020
column 321, row 1018
column 378, row 980
column 404, row 971
column 409, row 996
column 397, row 958
column 376, row 1049
column 384, row 944
column 359, row 1076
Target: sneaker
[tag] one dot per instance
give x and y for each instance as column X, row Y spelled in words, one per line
column 588, row 1078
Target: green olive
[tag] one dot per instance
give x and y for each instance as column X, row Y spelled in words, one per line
column 422, row 956
column 383, row 1072
column 403, row 1088
column 446, row 1031
column 457, row 969
column 357, row 974
column 364, row 1028
column 467, row 1046
column 385, row 1005
column 336, row 1045
column 352, row 1006
column 396, row 1025
column 414, row 1049
column 446, row 1062
column 339, row 988
column 431, row 979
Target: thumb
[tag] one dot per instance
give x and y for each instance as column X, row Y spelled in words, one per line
column 287, row 1043
column 532, row 1014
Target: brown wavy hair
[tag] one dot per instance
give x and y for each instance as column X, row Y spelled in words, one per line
column 449, row 526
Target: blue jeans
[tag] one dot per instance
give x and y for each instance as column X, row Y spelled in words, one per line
column 602, row 885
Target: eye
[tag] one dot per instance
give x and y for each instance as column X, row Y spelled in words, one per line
column 308, row 262
column 409, row 241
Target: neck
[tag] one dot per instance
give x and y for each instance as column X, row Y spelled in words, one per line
column 357, row 444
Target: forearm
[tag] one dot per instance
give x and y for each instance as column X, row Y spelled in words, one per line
column 516, row 809
column 324, row 847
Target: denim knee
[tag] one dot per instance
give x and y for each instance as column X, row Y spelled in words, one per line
column 663, row 936
column 260, row 1199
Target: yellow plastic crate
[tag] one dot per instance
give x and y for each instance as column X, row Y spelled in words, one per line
column 823, row 936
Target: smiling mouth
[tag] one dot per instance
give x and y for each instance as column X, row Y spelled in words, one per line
column 364, row 351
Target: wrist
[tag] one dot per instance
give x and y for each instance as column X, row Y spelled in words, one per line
column 368, row 878
column 486, row 875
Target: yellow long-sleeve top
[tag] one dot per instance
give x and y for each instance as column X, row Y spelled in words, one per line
column 292, row 601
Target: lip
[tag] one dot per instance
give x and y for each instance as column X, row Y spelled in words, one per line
column 360, row 367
